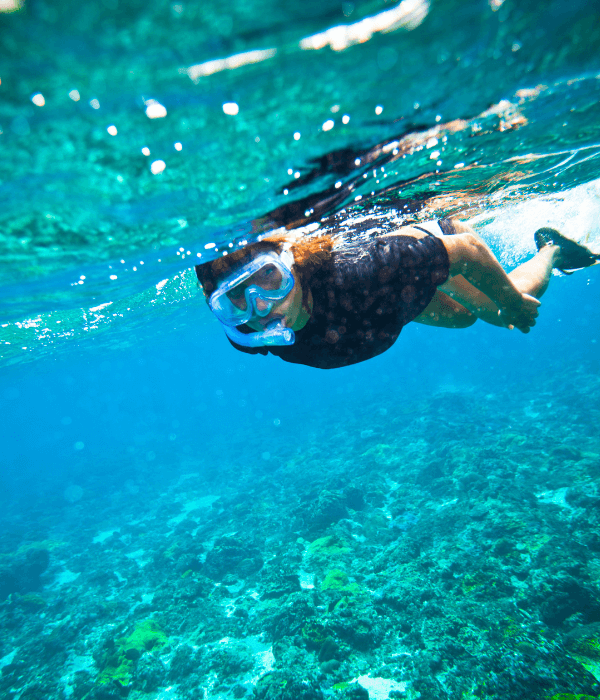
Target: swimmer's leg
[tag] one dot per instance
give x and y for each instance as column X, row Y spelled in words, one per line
column 533, row 276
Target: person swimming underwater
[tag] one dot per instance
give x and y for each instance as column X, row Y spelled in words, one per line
column 331, row 302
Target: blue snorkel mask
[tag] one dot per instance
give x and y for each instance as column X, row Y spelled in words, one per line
column 266, row 279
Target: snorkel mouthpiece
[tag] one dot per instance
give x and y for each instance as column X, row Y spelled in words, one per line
column 277, row 334
column 274, row 334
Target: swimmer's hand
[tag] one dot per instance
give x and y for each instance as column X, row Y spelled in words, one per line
column 521, row 316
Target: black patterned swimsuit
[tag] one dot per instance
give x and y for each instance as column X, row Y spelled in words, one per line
column 363, row 297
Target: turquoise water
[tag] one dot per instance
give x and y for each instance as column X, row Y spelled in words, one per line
column 183, row 521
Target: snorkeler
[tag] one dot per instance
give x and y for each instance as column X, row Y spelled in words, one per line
column 330, row 302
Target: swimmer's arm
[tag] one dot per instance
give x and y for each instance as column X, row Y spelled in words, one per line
column 470, row 257
column 444, row 312
column 459, row 305
column 475, row 301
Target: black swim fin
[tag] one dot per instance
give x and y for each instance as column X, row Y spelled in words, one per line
column 573, row 256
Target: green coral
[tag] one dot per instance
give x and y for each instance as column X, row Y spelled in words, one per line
column 314, row 634
column 585, row 649
column 118, row 670
column 31, row 600
column 272, row 681
column 326, row 549
column 341, row 686
column 511, row 629
column 571, row 696
column 587, row 646
column 146, row 636
column 472, row 582
column 50, row 545
column 337, row 581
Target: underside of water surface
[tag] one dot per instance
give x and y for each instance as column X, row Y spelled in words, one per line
column 179, row 521
column 136, row 136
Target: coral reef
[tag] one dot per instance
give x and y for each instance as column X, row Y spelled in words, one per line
column 420, row 564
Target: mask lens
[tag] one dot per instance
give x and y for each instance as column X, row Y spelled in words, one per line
column 237, row 297
column 269, row 278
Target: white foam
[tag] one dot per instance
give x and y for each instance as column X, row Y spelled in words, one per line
column 575, row 213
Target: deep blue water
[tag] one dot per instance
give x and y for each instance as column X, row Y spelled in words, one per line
column 187, row 396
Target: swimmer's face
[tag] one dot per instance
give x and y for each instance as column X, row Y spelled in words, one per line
column 289, row 310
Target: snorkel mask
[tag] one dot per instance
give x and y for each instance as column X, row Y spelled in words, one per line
column 250, row 292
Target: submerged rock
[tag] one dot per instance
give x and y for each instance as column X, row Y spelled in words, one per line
column 21, row 572
column 284, row 686
column 232, row 555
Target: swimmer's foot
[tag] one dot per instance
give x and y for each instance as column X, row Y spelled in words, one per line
column 573, row 256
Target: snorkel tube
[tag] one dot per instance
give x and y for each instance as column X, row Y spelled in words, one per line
column 274, row 334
